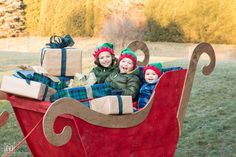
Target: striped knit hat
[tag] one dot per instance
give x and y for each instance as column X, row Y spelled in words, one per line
column 127, row 53
column 157, row 67
column 108, row 47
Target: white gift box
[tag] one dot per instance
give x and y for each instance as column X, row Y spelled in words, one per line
column 20, row 87
column 51, row 60
column 111, row 105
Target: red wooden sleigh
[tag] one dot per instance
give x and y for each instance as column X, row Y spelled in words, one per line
column 70, row 129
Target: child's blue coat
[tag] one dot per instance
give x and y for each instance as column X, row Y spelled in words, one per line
column 145, row 93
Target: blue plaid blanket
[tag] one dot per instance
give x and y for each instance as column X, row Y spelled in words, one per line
column 84, row 92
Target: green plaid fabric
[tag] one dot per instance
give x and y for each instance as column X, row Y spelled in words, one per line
column 33, row 76
column 80, row 93
column 45, row 80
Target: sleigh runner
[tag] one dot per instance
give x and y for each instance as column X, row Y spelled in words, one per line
column 68, row 128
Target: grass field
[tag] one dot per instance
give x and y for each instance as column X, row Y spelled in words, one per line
column 210, row 122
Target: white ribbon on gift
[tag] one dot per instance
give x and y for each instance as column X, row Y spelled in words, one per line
column 89, row 91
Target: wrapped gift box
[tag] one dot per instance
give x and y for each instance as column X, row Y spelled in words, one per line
column 31, row 89
column 83, row 92
column 112, row 105
column 61, row 62
column 51, row 81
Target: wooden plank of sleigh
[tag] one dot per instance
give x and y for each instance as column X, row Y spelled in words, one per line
column 71, row 129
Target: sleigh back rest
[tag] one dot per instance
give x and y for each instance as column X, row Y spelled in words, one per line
column 140, row 45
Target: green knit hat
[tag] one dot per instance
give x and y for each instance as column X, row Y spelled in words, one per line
column 127, row 53
column 157, row 67
column 108, row 47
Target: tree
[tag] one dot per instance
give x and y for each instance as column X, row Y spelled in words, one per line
column 121, row 25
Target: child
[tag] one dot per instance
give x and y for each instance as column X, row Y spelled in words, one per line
column 105, row 61
column 151, row 74
column 125, row 81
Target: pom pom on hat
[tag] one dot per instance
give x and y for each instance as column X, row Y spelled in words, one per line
column 127, row 53
column 108, row 47
column 157, row 67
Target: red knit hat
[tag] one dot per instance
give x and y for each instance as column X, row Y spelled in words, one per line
column 157, row 67
column 127, row 53
column 108, row 47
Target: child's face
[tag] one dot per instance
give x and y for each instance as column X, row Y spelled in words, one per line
column 105, row 59
column 126, row 65
column 150, row 76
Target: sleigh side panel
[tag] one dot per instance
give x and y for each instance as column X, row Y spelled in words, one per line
column 157, row 135
column 29, row 113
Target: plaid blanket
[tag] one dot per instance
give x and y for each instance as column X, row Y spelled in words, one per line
column 33, row 76
column 84, row 92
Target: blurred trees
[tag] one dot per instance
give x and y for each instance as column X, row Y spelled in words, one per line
column 47, row 17
column 32, row 15
column 60, row 17
column 154, row 20
column 121, row 24
column 89, row 18
column 199, row 20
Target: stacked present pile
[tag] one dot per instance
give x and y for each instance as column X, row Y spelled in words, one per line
column 52, row 80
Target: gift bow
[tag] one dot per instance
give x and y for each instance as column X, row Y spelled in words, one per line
column 60, row 42
column 27, row 77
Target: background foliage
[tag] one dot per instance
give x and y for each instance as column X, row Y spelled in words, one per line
column 198, row 20
column 158, row 20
